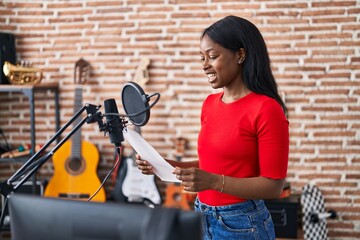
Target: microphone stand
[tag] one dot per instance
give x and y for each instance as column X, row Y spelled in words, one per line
column 32, row 165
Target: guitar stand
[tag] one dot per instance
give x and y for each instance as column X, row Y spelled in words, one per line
column 30, row 167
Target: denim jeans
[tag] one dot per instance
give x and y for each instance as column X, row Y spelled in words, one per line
column 244, row 221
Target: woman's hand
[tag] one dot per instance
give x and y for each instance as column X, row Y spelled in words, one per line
column 144, row 166
column 196, row 180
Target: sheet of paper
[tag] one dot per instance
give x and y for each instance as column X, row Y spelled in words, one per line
column 161, row 167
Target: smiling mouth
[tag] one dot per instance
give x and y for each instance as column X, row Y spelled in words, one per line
column 211, row 77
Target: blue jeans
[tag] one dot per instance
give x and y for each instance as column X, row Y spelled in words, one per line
column 245, row 221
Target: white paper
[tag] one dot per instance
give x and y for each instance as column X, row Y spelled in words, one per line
column 160, row 167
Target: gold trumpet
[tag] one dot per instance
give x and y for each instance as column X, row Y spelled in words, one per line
column 19, row 75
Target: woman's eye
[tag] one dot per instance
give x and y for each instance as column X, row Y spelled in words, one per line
column 203, row 59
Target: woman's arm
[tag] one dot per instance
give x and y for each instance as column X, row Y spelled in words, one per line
column 253, row 188
column 196, row 180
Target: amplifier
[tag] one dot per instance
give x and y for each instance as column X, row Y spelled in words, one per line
column 286, row 215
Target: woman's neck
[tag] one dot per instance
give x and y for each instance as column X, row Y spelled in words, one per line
column 231, row 95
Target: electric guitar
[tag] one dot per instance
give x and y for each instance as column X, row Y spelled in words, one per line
column 76, row 161
column 135, row 186
column 175, row 195
column 138, row 187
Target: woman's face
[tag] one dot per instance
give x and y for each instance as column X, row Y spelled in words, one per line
column 219, row 64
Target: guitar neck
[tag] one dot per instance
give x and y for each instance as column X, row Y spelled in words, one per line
column 141, row 77
column 76, row 139
column 180, row 144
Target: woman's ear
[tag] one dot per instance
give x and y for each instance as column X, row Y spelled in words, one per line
column 242, row 55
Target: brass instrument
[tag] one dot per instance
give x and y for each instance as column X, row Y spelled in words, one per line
column 19, row 75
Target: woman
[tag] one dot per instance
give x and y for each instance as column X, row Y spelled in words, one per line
column 243, row 143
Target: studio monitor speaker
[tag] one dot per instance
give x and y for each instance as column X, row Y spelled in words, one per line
column 7, row 53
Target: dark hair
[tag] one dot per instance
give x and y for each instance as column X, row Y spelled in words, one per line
column 234, row 33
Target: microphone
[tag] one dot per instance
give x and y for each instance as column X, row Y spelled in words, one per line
column 114, row 122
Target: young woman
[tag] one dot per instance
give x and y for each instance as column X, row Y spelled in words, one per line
column 243, row 143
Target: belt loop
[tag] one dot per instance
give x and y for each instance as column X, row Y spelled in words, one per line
column 215, row 212
column 202, row 207
column 258, row 204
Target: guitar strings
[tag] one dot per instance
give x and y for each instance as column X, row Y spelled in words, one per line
column 118, row 150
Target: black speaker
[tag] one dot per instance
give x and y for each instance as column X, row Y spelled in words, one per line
column 7, row 53
column 286, row 215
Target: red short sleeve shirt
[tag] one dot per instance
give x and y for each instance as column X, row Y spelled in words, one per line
column 245, row 138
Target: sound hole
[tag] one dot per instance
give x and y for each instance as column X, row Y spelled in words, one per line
column 75, row 165
column 177, row 197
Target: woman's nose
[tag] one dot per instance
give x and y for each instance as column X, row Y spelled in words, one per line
column 205, row 64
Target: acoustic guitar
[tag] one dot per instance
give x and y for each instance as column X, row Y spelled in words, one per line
column 76, row 161
column 132, row 184
column 175, row 195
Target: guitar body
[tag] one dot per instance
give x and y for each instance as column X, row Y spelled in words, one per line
column 138, row 187
column 76, row 161
column 75, row 178
column 176, row 197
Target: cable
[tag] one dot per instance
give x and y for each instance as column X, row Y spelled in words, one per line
column 118, row 150
column 138, row 113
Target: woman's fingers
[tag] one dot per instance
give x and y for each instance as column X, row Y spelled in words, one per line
column 144, row 166
column 184, row 173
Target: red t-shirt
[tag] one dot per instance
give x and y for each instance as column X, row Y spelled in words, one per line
column 246, row 138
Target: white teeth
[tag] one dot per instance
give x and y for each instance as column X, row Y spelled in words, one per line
column 211, row 77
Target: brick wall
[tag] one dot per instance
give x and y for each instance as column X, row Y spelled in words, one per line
column 314, row 47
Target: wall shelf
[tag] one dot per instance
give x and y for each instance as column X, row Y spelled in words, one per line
column 29, row 92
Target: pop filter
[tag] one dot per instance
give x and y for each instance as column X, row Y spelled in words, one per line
column 134, row 100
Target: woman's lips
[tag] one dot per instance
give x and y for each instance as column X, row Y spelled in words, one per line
column 211, row 77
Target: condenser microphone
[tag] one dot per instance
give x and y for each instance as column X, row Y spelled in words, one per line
column 136, row 103
column 114, row 122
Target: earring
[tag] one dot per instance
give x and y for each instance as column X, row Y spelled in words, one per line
column 240, row 61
